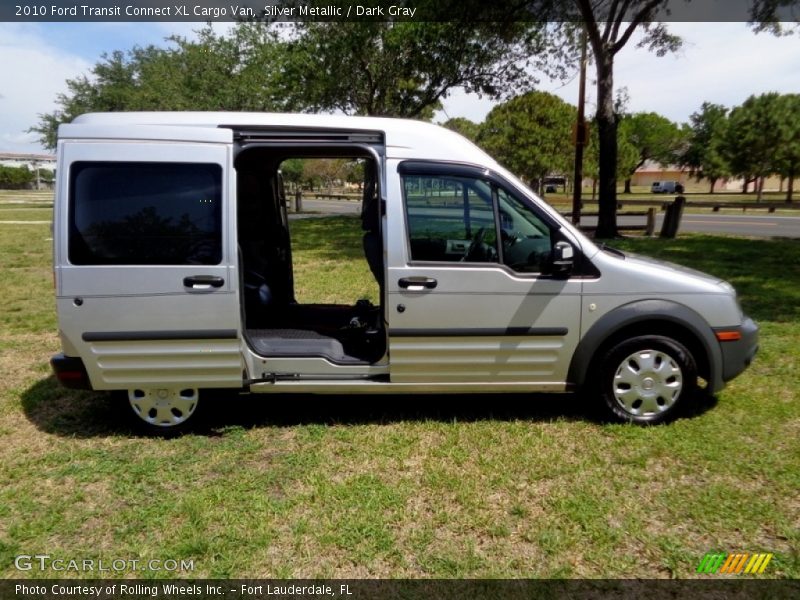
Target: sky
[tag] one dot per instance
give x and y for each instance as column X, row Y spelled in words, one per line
column 719, row 62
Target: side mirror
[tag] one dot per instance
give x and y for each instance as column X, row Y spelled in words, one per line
column 563, row 258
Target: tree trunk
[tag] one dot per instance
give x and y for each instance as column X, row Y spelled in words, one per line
column 746, row 185
column 627, row 186
column 713, row 185
column 760, row 187
column 607, row 132
column 790, row 188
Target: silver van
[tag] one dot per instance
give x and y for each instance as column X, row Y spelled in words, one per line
column 174, row 275
column 666, row 187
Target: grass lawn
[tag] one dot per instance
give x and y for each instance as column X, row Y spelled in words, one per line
column 420, row 486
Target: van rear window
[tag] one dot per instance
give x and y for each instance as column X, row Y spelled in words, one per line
column 141, row 213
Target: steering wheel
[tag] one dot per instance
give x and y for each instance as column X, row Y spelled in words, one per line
column 477, row 240
column 510, row 237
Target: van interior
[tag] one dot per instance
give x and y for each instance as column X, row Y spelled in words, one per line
column 275, row 323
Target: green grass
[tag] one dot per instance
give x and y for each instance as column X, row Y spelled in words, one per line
column 415, row 486
column 36, row 216
column 329, row 265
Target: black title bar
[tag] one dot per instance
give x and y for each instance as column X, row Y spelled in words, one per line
column 380, row 589
column 361, row 10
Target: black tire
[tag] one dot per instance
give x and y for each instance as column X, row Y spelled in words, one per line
column 646, row 379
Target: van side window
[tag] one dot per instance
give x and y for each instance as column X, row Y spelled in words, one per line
column 145, row 213
column 450, row 219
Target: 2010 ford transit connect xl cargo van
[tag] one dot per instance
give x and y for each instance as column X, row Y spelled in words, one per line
column 174, row 274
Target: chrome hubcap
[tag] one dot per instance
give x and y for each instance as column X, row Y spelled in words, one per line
column 164, row 407
column 648, row 382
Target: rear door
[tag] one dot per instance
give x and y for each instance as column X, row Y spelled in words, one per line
column 470, row 300
column 147, row 288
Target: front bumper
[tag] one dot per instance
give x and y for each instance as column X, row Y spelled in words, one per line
column 738, row 354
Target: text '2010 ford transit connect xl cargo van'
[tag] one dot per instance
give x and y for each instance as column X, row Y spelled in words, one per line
column 174, row 274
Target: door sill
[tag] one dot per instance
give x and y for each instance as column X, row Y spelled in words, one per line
column 367, row 386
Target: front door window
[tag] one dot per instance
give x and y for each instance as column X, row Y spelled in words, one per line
column 465, row 219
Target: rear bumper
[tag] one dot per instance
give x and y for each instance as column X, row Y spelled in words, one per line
column 738, row 354
column 70, row 372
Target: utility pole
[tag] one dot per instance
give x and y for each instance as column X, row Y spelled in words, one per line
column 38, row 175
column 581, row 138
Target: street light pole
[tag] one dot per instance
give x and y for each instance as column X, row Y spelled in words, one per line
column 581, row 137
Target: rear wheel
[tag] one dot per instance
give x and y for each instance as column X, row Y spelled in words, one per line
column 166, row 409
column 644, row 379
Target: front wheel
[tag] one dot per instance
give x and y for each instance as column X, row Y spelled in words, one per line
column 644, row 379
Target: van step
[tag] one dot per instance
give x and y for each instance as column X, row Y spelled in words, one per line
column 298, row 343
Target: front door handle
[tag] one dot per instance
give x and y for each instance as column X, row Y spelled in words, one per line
column 203, row 282
column 417, row 284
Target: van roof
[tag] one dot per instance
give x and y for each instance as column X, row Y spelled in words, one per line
column 405, row 138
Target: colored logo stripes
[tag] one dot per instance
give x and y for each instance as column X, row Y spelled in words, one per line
column 734, row 563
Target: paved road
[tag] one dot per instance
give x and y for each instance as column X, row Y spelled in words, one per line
column 337, row 207
column 754, row 225
column 757, row 225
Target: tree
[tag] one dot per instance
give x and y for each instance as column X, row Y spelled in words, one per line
column 324, row 171
column 609, row 28
column 355, row 172
column 779, row 17
column 753, row 136
column 16, row 178
column 405, row 68
column 654, row 137
column 787, row 153
column 705, row 152
column 240, row 71
column 292, row 171
column 627, row 155
column 469, row 129
column 530, row 135
column 401, row 69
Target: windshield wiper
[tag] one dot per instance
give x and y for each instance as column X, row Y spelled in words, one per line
column 610, row 250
